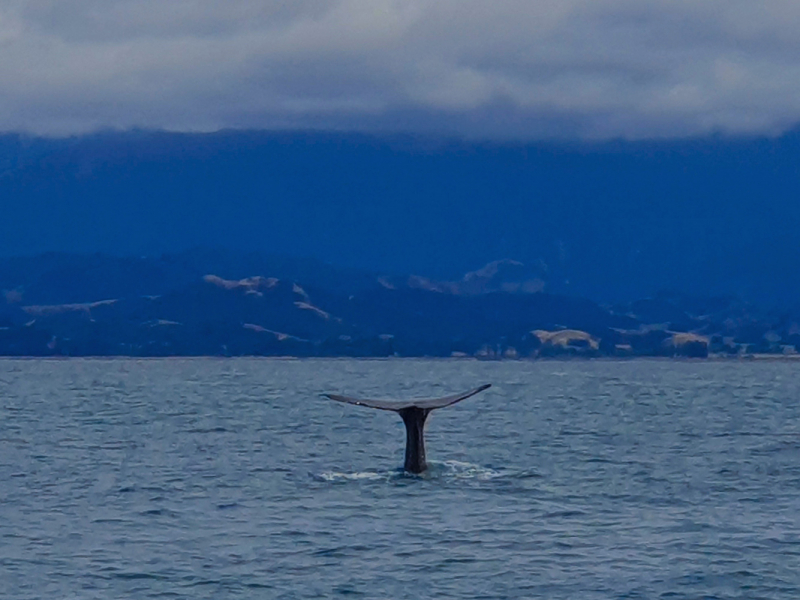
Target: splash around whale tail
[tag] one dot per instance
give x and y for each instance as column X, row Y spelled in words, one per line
column 414, row 413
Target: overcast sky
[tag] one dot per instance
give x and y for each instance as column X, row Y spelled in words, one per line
column 476, row 68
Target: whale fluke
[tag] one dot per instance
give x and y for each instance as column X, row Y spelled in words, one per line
column 414, row 413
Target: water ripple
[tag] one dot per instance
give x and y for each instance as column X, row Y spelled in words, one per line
column 233, row 479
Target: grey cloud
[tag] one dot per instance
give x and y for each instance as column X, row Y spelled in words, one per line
column 510, row 68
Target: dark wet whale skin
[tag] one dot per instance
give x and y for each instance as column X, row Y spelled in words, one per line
column 414, row 420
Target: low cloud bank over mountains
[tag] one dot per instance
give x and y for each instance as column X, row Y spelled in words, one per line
column 585, row 69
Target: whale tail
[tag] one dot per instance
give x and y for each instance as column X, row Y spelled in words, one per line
column 414, row 413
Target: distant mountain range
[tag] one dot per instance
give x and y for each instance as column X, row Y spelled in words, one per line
column 613, row 221
column 227, row 303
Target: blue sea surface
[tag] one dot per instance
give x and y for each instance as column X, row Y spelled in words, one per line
column 233, row 478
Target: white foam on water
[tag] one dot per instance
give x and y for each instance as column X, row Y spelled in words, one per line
column 463, row 470
column 366, row 475
column 448, row 469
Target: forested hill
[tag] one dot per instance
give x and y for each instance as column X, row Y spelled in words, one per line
column 218, row 303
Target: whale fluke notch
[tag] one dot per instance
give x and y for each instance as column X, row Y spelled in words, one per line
column 398, row 405
column 414, row 413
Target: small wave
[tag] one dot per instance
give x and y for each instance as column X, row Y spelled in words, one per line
column 137, row 575
column 208, row 430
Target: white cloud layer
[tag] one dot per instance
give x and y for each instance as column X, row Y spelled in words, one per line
column 477, row 68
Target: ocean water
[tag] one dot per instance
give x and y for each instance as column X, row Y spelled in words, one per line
column 233, row 478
